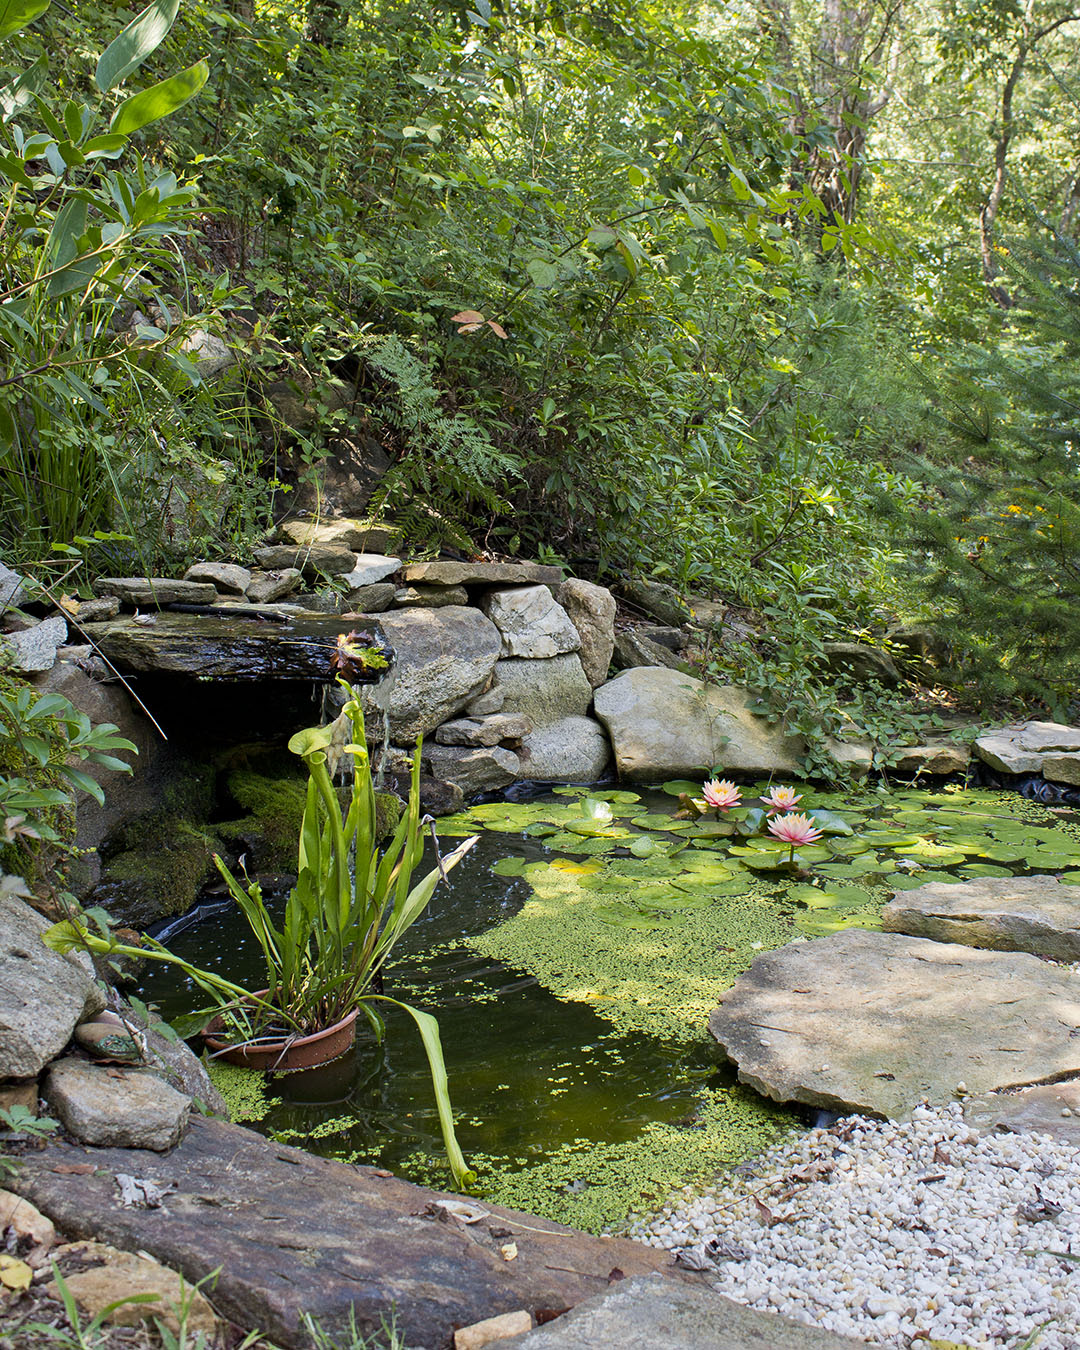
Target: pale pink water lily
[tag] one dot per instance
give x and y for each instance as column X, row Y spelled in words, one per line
column 781, row 799
column 794, row 830
column 721, row 794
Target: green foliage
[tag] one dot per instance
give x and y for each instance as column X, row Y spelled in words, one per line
column 44, row 739
column 23, row 1124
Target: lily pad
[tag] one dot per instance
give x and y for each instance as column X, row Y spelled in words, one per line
column 973, row 870
column 510, row 867
column 625, row 916
column 643, row 847
column 675, row 787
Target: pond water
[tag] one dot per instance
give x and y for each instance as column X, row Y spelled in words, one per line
column 572, row 980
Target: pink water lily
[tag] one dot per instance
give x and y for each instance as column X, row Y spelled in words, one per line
column 721, row 794
column 781, row 799
column 794, row 830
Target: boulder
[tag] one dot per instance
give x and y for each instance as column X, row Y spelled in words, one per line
column 1060, row 767
column 33, row 649
column 856, row 756
column 104, row 1277
column 1044, row 736
column 664, row 724
column 43, row 995
column 674, row 639
column 591, row 609
column 332, row 560
column 633, row 650
column 290, row 1234
column 344, row 479
column 483, row 574
column 474, row 771
column 936, row 757
column 211, row 355
column 1006, row 914
column 663, row 602
column 374, row 599
column 544, row 691
column 859, row 662
column 572, row 750
column 444, row 657
column 484, row 731
column 876, row 1022
column 532, row 624
column 227, row 578
column 370, row 568
column 362, row 536
column 114, row 1107
column 153, row 592
column 1001, row 749
column 430, row 597
column 14, row 589
column 648, row 1312
column 266, row 587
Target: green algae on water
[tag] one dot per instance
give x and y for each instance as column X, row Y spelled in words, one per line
column 244, row 1091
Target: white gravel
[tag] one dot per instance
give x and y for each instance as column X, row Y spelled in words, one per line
column 900, row 1235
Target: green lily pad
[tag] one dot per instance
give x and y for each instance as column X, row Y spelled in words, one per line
column 710, row 829
column 820, row 923
column 510, row 867
column 675, row 787
column 973, row 870
column 831, row 823
column 643, row 847
column 656, row 821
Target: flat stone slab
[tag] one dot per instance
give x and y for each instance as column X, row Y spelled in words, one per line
column 293, row 1233
column 1052, row 1108
column 483, row 574
column 125, row 1108
column 876, row 1022
column 230, row 647
column 1004, row 914
column 651, row 1313
column 156, row 591
column 1048, row 748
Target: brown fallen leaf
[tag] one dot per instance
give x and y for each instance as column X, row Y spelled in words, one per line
column 73, row 1169
column 14, row 1274
column 382, row 1172
column 508, row 1251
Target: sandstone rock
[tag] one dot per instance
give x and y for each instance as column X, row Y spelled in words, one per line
column 633, row 650
column 858, row 661
column 706, row 612
column 116, row 1108
column 1005, row 914
column 873, row 1022
column 370, row 568
column 484, row 704
column 1001, row 749
column 544, row 691
column 572, row 750
column 591, row 610
column 332, row 560
column 99, row 609
column 674, row 639
column 492, row 1329
column 1061, row 768
column 444, row 657
column 664, row 724
column 33, row 649
column 226, row 578
column 484, row 731
column 937, row 757
column 374, row 599
column 430, row 597
column 27, row 1221
column 230, row 647
column 473, row 771
column 663, row 602
column 1044, row 736
column 362, row 536
column 14, row 589
column 152, row 592
column 266, row 587
column 297, row 1233
column 43, row 995
column 105, row 1276
column 16, row 1093
column 653, row 1313
column 857, row 756
column 530, row 621
column 1033, row 1110
column 483, row 574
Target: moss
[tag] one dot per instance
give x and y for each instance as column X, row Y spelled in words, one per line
column 273, row 803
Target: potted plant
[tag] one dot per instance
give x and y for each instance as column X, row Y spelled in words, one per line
column 352, row 901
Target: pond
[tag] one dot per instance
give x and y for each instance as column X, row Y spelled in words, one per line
column 572, row 961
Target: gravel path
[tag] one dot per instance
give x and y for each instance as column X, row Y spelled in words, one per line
column 903, row 1235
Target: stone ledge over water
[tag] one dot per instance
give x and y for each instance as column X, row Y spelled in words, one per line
column 875, row 1022
column 293, row 1233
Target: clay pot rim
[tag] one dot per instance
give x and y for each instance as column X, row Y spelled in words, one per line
column 283, row 1050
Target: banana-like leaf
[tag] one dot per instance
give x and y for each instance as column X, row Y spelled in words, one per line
column 159, row 100
column 130, row 48
column 16, row 14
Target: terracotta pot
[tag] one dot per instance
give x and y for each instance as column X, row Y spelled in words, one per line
column 285, row 1056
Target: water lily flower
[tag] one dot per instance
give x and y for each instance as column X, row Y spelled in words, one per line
column 795, row 830
column 721, row 794
column 781, row 799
